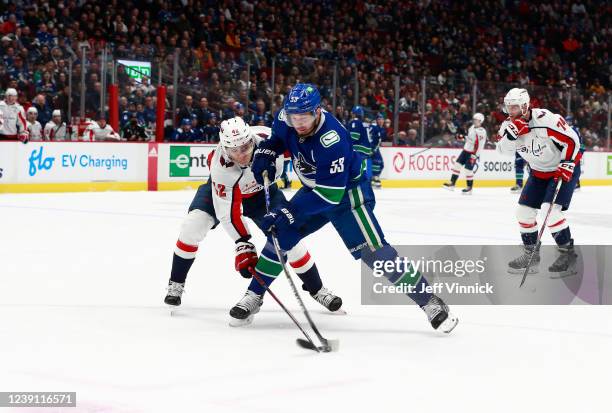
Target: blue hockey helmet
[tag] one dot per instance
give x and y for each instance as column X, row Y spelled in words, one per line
column 380, row 116
column 186, row 121
column 302, row 98
column 358, row 111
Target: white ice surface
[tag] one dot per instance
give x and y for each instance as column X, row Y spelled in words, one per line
column 83, row 276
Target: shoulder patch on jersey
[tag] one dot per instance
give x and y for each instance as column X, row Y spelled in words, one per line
column 281, row 115
column 542, row 115
column 330, row 138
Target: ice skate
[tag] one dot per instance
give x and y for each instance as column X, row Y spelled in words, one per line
column 439, row 315
column 467, row 191
column 518, row 265
column 565, row 264
column 327, row 299
column 448, row 185
column 242, row 313
column 175, row 292
column 516, row 189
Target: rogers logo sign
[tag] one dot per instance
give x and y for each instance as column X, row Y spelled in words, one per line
column 399, row 162
column 425, row 162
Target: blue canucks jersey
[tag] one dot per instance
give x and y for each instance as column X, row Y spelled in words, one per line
column 360, row 137
column 324, row 162
column 377, row 134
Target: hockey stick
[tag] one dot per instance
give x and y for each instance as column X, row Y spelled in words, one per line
column 327, row 345
column 264, row 285
column 420, row 152
column 539, row 240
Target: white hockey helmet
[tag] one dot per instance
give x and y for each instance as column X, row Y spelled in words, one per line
column 56, row 112
column 516, row 97
column 236, row 138
column 33, row 110
column 11, row 92
column 478, row 117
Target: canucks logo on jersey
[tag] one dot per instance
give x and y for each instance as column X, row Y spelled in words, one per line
column 305, row 170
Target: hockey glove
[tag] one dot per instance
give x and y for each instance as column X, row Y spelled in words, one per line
column 508, row 130
column 565, row 171
column 24, row 137
column 246, row 258
column 264, row 159
column 279, row 218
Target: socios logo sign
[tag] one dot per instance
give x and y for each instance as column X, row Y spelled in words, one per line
column 609, row 164
column 39, row 162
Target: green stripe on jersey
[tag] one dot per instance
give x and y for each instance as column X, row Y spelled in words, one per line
column 331, row 194
column 363, row 149
column 355, row 136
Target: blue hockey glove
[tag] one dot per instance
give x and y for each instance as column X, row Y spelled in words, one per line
column 279, row 218
column 264, row 159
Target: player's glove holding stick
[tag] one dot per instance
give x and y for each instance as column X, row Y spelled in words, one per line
column 565, row 171
column 263, row 160
column 246, row 258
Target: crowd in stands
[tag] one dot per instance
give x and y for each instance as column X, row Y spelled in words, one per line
column 460, row 50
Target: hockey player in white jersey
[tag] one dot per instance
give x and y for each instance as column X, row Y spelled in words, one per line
column 34, row 127
column 12, row 118
column 468, row 158
column 55, row 129
column 231, row 194
column 552, row 150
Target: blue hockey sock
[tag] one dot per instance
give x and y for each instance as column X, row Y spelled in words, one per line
column 180, row 268
column 311, row 280
column 410, row 277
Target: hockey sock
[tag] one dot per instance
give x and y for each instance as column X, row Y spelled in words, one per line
column 180, row 268
column 529, row 238
column 304, row 266
column 563, row 237
column 454, row 178
column 470, row 183
column 519, row 180
column 410, row 277
column 268, row 267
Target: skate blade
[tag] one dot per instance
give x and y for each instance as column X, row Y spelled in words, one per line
column 521, row 271
column 466, row 193
column 173, row 309
column 236, row 322
column 449, row 188
column 563, row 274
column 449, row 324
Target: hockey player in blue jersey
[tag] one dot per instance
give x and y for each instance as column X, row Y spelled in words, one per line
column 378, row 134
column 334, row 190
column 361, row 139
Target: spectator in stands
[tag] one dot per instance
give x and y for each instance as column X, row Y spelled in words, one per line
column 184, row 133
column 211, row 131
column 203, row 112
column 187, row 111
column 134, row 131
column 260, row 117
column 43, row 109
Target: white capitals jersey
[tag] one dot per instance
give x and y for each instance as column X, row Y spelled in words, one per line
column 35, row 130
column 12, row 119
column 95, row 132
column 231, row 184
column 475, row 140
column 55, row 132
column 544, row 141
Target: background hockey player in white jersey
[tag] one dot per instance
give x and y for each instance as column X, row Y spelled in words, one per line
column 55, row 129
column 12, row 118
column 474, row 143
column 231, row 194
column 552, row 150
column 34, row 127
